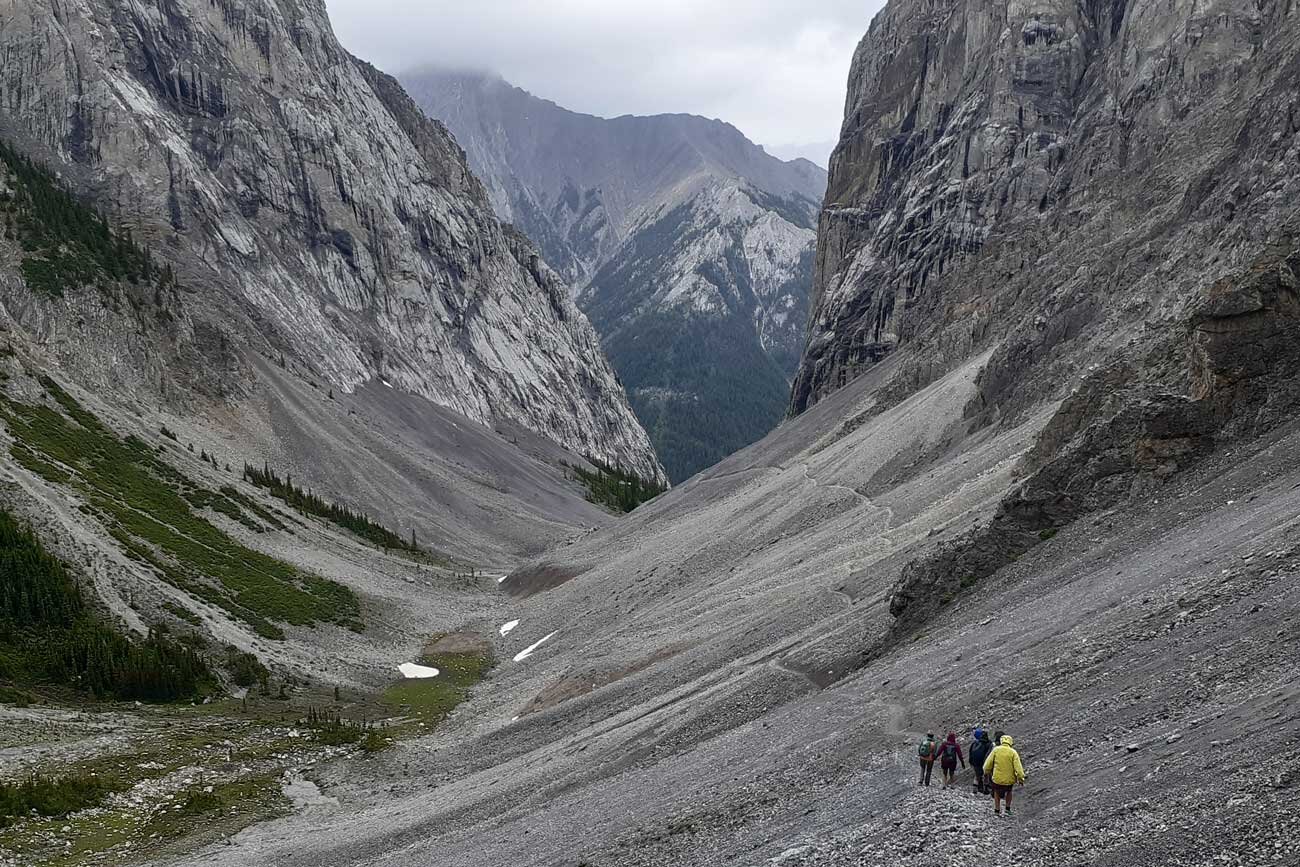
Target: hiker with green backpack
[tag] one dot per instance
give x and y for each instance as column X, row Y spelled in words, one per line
column 928, row 751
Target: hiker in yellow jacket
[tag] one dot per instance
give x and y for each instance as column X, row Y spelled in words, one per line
column 1004, row 770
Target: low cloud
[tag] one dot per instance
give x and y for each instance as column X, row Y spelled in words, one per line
column 775, row 68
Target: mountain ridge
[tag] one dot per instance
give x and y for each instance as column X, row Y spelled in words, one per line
column 229, row 136
column 671, row 224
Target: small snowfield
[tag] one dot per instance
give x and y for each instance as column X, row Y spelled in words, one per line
column 412, row 671
column 528, row 651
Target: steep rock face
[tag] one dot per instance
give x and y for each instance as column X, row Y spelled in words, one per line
column 1099, row 201
column 1045, row 177
column 688, row 246
column 307, row 202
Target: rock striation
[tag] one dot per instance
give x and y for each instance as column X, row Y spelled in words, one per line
column 309, row 207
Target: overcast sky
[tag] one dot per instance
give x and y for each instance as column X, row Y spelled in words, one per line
column 775, row 68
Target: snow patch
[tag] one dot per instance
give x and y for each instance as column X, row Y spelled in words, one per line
column 528, row 651
column 507, row 628
column 417, row 672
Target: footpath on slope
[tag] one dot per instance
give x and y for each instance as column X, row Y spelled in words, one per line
column 926, row 826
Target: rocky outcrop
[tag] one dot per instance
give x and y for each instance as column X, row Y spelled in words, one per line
column 1122, row 431
column 308, row 207
column 1041, row 177
column 1098, row 196
column 676, row 233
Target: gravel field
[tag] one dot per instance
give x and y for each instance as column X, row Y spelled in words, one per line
column 726, row 686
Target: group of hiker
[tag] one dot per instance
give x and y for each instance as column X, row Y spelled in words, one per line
column 996, row 764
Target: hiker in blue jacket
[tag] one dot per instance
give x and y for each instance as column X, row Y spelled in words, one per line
column 980, row 747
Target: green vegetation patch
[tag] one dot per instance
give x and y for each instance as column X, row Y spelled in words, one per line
column 51, row 796
column 615, row 488
column 182, row 613
column 308, row 503
column 66, row 244
column 118, row 834
column 150, row 509
column 250, row 797
column 245, row 669
column 48, row 634
column 430, row 700
column 330, row 728
column 251, row 505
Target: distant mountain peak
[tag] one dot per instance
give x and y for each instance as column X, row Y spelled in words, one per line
column 680, row 237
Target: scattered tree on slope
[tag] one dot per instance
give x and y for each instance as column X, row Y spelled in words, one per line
column 311, row 504
column 616, row 488
column 48, row 634
column 66, row 243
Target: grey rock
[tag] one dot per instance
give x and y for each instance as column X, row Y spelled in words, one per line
column 1022, row 181
column 976, row 181
column 309, row 208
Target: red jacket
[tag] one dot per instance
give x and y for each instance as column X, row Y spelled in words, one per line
column 958, row 754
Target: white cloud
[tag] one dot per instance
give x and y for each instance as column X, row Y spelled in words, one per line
column 774, row 68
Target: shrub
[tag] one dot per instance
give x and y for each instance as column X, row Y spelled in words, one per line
column 244, row 668
column 52, row 797
column 375, row 741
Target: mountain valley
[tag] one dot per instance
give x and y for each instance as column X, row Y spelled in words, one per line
column 688, row 246
column 329, row 536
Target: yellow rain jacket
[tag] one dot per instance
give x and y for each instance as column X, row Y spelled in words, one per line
column 1003, row 764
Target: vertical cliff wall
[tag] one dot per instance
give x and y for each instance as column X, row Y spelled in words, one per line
column 1050, row 181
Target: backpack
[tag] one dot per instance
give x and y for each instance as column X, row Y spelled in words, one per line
column 950, row 752
column 926, row 750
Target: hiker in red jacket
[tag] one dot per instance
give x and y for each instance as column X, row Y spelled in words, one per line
column 949, row 756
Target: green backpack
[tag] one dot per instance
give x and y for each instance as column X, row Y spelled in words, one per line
column 926, row 750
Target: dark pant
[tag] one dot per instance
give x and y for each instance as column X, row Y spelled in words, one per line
column 927, row 767
column 979, row 778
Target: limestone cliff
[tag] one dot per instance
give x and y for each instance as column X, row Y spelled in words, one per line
column 309, row 208
column 1048, row 180
column 1096, row 202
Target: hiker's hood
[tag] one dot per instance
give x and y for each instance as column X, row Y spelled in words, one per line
column 952, row 737
column 1007, row 741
